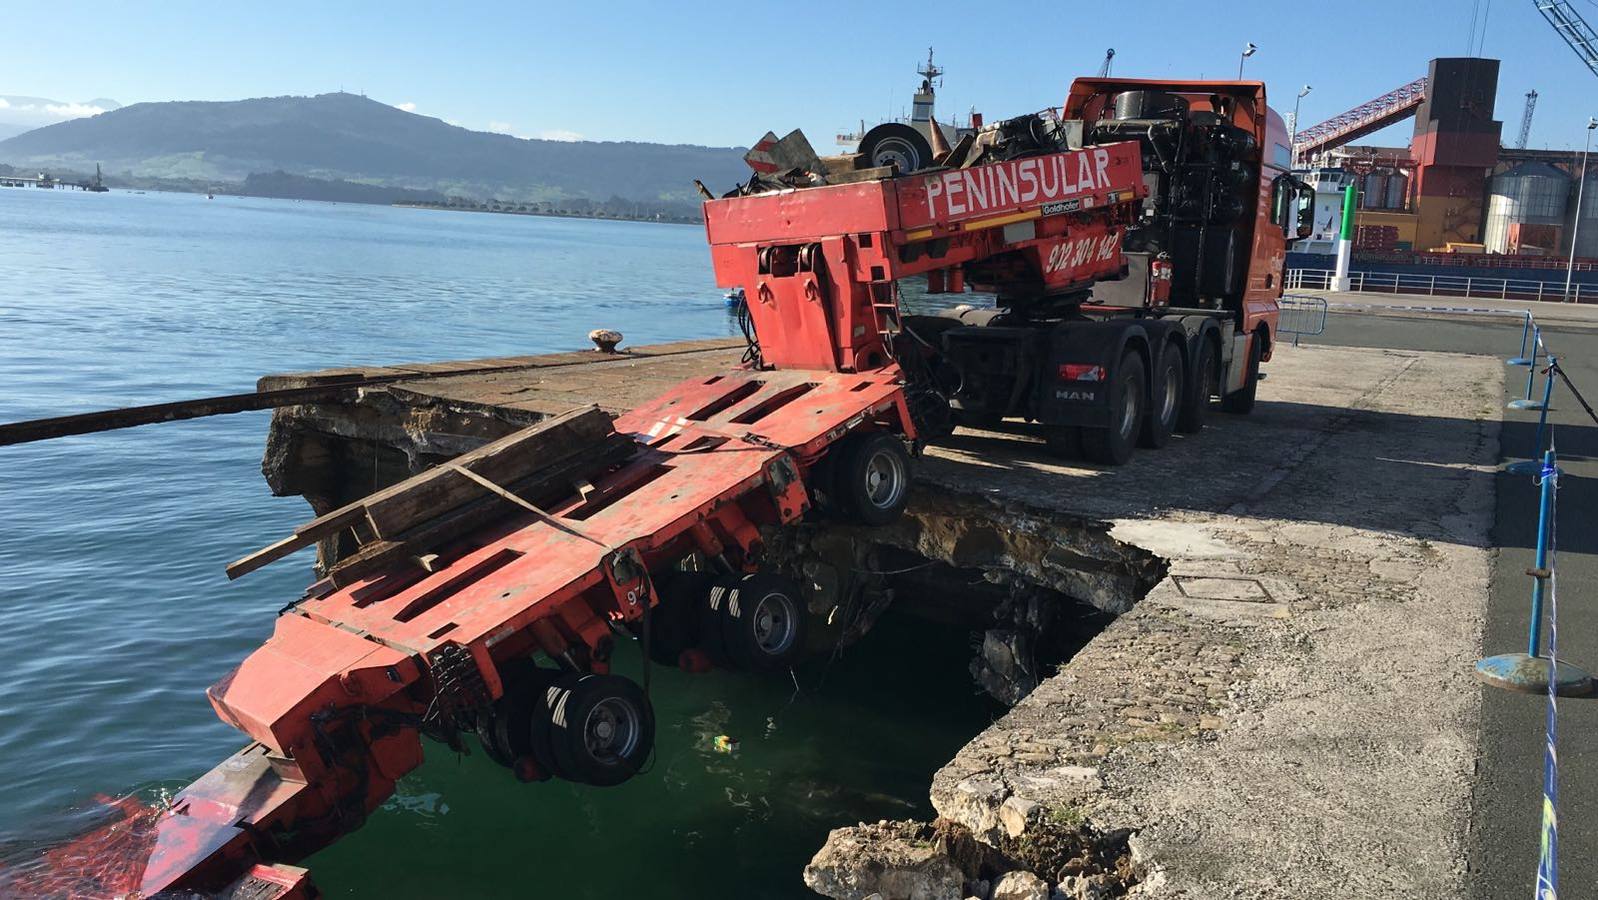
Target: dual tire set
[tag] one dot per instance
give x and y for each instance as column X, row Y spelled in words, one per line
column 600, row 729
column 592, row 729
column 1177, row 400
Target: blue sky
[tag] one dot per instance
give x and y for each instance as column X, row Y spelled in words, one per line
column 723, row 73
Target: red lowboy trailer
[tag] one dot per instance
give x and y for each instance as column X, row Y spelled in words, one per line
column 1133, row 244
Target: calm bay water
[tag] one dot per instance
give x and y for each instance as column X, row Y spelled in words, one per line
column 115, row 615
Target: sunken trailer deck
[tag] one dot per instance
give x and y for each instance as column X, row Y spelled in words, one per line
column 338, row 698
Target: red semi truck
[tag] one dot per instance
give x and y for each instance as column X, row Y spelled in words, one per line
column 1133, row 243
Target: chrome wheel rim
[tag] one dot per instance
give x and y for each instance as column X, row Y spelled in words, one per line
column 896, row 151
column 1173, row 389
column 885, row 479
column 1128, row 410
column 610, row 732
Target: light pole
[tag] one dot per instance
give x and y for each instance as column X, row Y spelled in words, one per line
column 1301, row 95
column 1248, row 50
column 1575, row 229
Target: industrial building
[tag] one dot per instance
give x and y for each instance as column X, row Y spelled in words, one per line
column 1455, row 196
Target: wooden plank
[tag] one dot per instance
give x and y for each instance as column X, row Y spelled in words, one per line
column 303, row 536
column 859, row 175
column 541, row 489
column 403, row 504
column 133, row 416
column 431, row 493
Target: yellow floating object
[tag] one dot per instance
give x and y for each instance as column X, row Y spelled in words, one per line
column 725, row 743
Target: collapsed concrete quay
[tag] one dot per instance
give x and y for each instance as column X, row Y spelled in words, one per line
column 1278, row 639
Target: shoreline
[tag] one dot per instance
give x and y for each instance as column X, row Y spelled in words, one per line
column 552, row 214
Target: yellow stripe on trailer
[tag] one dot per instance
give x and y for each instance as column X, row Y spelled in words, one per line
column 1001, row 220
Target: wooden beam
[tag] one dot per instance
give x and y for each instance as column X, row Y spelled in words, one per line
column 561, row 448
column 131, row 416
column 431, row 493
column 303, row 536
column 542, row 489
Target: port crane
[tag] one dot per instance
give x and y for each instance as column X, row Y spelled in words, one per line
column 1133, row 242
column 1525, row 120
column 1573, row 29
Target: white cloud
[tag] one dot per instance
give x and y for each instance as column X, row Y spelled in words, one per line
column 560, row 134
column 72, row 110
column 34, row 112
column 506, row 128
column 408, row 106
column 454, row 122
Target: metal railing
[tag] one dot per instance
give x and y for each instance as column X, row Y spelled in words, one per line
column 1441, row 285
column 1540, row 669
column 1301, row 315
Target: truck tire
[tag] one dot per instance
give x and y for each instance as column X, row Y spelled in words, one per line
column 871, row 474
column 1166, row 390
column 1113, row 445
column 602, row 728
column 712, row 609
column 898, row 144
column 1241, row 401
column 505, row 729
column 1203, row 382
column 763, row 623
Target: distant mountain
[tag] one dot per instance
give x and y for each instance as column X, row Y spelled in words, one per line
column 347, row 137
column 12, row 130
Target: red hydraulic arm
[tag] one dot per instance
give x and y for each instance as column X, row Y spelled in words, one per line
column 819, row 264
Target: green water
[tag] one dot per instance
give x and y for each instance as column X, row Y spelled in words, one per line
column 117, row 615
column 858, row 742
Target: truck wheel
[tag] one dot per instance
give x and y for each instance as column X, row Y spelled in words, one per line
column 763, row 623
column 871, row 474
column 1203, row 382
column 712, row 606
column 505, row 730
column 1113, row 445
column 1165, row 400
column 540, row 740
column 898, row 144
column 1241, row 401
column 602, row 729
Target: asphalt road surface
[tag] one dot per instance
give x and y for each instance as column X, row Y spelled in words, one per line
column 1506, row 823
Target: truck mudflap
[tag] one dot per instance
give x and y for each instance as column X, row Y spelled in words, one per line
column 1237, row 366
column 1082, row 356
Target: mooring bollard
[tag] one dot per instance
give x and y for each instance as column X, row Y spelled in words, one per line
column 1529, row 672
column 1533, row 465
column 1525, row 332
